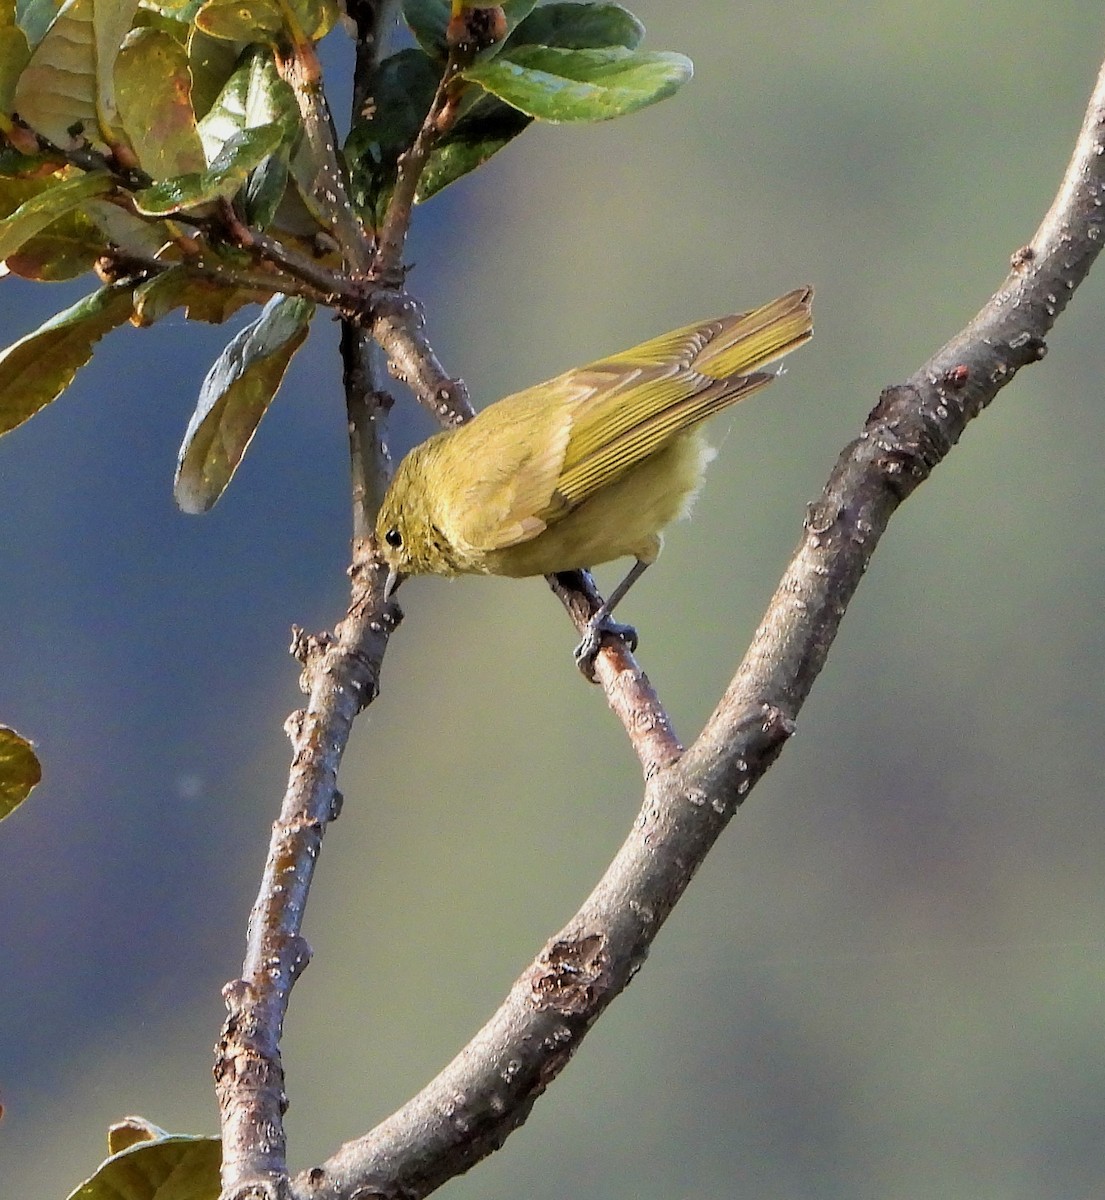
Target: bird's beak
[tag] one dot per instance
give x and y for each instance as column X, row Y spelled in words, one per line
column 394, row 579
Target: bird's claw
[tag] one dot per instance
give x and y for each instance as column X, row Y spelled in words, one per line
column 597, row 629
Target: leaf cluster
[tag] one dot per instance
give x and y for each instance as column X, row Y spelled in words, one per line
column 179, row 149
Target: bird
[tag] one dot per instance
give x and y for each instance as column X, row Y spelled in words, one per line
column 584, row 468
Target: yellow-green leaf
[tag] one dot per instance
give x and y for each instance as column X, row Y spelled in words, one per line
column 153, row 94
column 39, row 211
column 14, row 55
column 69, row 79
column 40, row 366
column 263, row 20
column 235, row 396
column 174, row 1167
column 20, row 770
column 57, row 89
column 241, row 20
column 245, row 150
column 202, row 299
column 65, row 249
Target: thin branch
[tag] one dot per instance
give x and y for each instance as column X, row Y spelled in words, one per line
column 631, row 696
column 78, row 154
column 471, row 28
column 370, row 462
column 116, row 263
column 341, row 677
column 301, row 70
column 397, row 325
column 388, row 267
column 489, row 1088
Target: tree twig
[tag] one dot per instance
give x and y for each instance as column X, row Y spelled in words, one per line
column 490, row 1087
column 301, row 70
column 341, row 676
column 388, row 266
column 367, row 407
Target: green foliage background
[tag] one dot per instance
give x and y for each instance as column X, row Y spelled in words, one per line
column 886, row 980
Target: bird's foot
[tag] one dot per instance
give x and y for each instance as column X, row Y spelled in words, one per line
column 601, row 625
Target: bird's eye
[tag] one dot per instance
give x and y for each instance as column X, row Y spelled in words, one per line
column 393, row 538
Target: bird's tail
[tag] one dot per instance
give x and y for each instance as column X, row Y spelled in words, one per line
column 750, row 341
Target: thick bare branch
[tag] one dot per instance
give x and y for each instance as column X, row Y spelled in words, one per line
column 488, row 1090
column 911, row 429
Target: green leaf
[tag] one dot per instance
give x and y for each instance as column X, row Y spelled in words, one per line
column 264, row 190
column 20, row 770
column 153, row 94
column 125, row 229
column 401, row 97
column 173, row 1167
column 580, row 85
column 245, row 150
column 253, row 95
column 40, row 366
column 211, row 63
column 579, row 26
column 34, row 17
column 428, row 19
column 482, row 131
column 39, row 211
column 235, row 396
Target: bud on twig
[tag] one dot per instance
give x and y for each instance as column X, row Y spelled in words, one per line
column 473, row 28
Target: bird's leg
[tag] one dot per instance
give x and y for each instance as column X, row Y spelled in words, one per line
column 601, row 624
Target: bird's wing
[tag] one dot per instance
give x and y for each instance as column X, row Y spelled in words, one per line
column 667, row 408
column 641, row 398
column 550, row 447
column 520, row 452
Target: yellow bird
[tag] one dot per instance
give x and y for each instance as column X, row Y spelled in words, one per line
column 585, row 468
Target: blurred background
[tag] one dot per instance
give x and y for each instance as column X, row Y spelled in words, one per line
column 886, row 980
